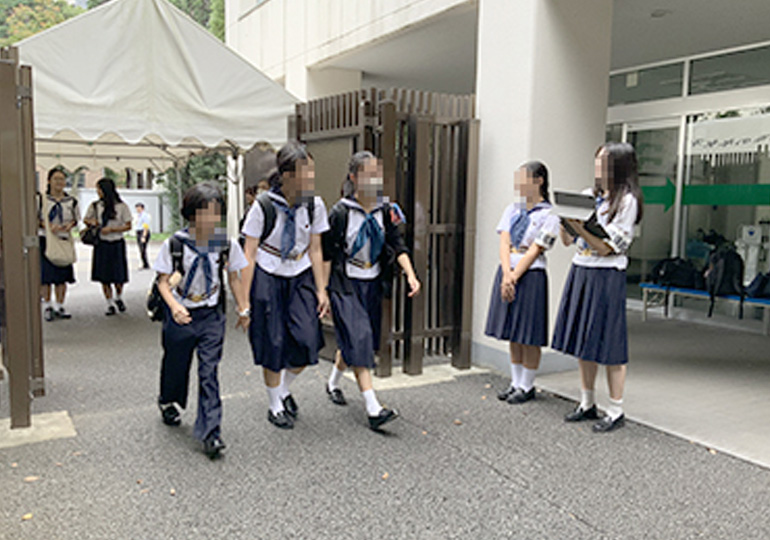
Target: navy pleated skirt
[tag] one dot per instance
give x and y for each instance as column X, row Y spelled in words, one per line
column 109, row 264
column 357, row 321
column 525, row 320
column 50, row 274
column 285, row 331
column 591, row 323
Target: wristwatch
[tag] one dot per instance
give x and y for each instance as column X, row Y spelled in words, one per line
column 245, row 313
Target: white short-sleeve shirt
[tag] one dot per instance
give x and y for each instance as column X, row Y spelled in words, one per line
column 122, row 216
column 363, row 267
column 164, row 264
column 274, row 264
column 70, row 212
column 542, row 230
column 620, row 231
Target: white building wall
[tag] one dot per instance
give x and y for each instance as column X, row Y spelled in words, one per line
column 284, row 38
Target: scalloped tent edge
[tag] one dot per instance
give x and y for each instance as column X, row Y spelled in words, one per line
column 137, row 83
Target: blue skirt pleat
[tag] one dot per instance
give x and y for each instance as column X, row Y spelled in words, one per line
column 525, row 320
column 591, row 324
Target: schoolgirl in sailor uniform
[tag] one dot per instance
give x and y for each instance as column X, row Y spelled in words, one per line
column 195, row 316
column 286, row 279
column 359, row 244
column 591, row 323
column 110, row 264
column 60, row 212
column 518, row 308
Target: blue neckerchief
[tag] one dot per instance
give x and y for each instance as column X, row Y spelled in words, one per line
column 194, row 268
column 599, row 201
column 520, row 223
column 370, row 231
column 56, row 211
column 289, row 233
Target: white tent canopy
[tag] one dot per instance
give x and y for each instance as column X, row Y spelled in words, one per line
column 137, row 83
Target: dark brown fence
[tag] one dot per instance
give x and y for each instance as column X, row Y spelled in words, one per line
column 428, row 144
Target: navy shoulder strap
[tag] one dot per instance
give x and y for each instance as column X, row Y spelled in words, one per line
column 268, row 211
column 177, row 254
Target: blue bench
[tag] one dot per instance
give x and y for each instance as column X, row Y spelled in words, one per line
column 650, row 291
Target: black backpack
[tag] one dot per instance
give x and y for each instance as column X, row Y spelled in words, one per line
column 677, row 272
column 156, row 309
column 268, row 210
column 724, row 275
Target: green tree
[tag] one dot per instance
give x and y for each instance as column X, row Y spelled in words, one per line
column 217, row 19
column 198, row 168
column 6, row 8
column 27, row 19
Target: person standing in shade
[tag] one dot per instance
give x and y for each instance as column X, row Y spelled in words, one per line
column 286, row 278
column 591, row 324
column 60, row 212
column 142, row 229
column 109, row 265
column 362, row 241
column 518, row 309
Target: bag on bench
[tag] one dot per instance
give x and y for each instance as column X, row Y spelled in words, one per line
column 759, row 287
column 677, row 272
column 724, row 275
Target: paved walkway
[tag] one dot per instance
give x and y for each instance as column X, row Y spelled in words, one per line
column 458, row 464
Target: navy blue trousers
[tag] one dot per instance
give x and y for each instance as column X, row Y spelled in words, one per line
column 206, row 333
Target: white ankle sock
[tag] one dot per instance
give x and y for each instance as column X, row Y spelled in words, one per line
column 59, row 306
column 109, row 302
column 47, row 304
column 287, row 377
column 615, row 410
column 335, row 378
column 373, row 406
column 586, row 399
column 118, row 296
column 517, row 371
column 274, row 397
column 527, row 381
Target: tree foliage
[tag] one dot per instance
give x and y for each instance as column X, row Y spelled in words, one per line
column 198, row 168
column 28, row 17
column 217, row 19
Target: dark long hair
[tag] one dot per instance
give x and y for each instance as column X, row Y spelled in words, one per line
column 53, row 171
column 624, row 177
column 355, row 164
column 286, row 161
column 537, row 169
column 110, row 197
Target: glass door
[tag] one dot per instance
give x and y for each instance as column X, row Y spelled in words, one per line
column 657, row 149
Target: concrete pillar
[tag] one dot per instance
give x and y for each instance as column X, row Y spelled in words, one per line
column 541, row 88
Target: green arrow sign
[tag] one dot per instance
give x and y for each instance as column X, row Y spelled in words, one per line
column 711, row 195
column 664, row 194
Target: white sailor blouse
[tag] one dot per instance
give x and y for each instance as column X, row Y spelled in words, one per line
column 620, row 231
column 526, row 227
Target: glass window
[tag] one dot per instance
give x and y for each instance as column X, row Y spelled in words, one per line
column 726, row 196
column 730, row 71
column 647, row 84
column 656, row 151
column 613, row 133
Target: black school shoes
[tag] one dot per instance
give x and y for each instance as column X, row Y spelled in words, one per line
column 385, row 416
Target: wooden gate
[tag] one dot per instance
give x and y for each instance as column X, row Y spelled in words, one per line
column 428, row 144
column 19, row 248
